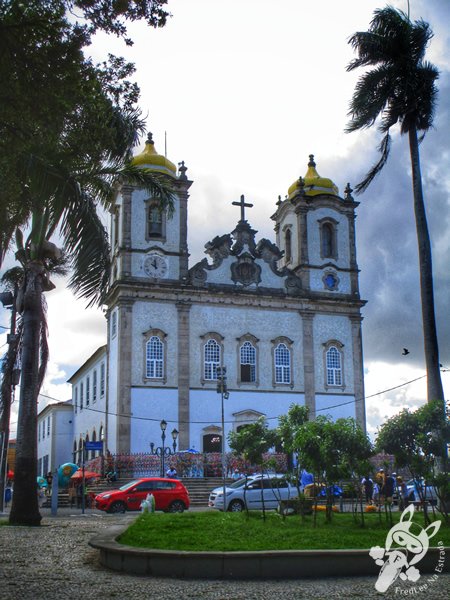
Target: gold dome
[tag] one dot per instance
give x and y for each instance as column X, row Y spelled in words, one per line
column 313, row 183
column 151, row 159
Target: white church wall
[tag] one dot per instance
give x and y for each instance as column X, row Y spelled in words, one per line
column 113, row 368
column 205, row 410
column 233, row 322
column 148, row 408
column 338, row 328
column 335, row 406
column 154, row 315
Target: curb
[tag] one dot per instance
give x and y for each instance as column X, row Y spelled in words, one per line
column 275, row 564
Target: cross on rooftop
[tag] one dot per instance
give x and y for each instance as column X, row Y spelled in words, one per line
column 242, row 204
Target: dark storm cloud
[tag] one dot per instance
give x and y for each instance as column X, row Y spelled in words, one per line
column 387, row 244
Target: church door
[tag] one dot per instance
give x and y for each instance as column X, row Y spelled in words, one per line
column 212, row 442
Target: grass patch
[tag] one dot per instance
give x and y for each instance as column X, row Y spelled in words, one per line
column 216, row 531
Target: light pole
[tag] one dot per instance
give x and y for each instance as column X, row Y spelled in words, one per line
column 163, row 451
column 9, row 381
column 224, row 394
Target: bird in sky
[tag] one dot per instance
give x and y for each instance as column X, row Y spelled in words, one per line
column 405, row 351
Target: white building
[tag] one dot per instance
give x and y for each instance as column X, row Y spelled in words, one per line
column 283, row 318
column 89, row 404
column 55, row 436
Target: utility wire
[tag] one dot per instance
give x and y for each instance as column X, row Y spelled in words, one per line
column 228, row 422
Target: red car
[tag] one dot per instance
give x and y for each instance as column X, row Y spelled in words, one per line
column 170, row 495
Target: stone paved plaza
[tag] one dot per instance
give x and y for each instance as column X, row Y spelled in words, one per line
column 54, row 561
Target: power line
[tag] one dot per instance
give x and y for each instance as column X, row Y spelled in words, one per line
column 156, row 420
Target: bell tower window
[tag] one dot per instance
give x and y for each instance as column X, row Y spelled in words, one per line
column 328, row 245
column 156, row 222
column 288, row 245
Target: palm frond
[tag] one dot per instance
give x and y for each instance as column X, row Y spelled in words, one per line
column 384, row 148
column 158, row 185
column 43, row 343
column 370, row 98
column 86, row 242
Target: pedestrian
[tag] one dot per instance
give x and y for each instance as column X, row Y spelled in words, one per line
column 388, row 489
column 402, row 493
column 367, row 484
column 171, row 472
column 49, row 480
column 41, row 495
column 380, row 478
column 111, row 476
column 236, row 475
column 376, row 493
column 79, row 490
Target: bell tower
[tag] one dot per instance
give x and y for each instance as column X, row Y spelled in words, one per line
column 315, row 228
column 147, row 242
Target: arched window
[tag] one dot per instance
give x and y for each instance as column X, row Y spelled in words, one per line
column 94, row 439
column 288, row 245
column 211, row 360
column 334, row 366
column 154, row 358
column 80, row 452
column 247, row 359
column 282, row 364
column 282, row 361
column 155, row 221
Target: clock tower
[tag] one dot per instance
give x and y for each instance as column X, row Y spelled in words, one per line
column 149, row 243
column 149, row 255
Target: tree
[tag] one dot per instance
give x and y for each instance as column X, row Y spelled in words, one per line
column 332, row 450
column 287, row 426
column 252, row 442
column 77, row 143
column 401, row 89
column 416, row 439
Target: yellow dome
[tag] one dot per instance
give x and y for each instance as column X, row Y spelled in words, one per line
column 313, row 184
column 150, row 158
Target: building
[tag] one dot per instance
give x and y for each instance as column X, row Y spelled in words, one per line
column 284, row 319
column 55, row 435
column 89, row 404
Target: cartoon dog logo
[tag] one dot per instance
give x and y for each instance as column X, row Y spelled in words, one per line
column 398, row 562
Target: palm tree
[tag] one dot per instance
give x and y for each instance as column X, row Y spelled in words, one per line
column 65, row 195
column 401, row 89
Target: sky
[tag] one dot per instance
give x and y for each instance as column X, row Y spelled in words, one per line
column 243, row 91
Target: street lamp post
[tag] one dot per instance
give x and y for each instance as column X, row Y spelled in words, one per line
column 163, row 450
column 224, row 394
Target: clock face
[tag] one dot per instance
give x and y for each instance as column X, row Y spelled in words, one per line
column 155, row 265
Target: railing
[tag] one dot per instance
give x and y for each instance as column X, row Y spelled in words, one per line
column 187, row 464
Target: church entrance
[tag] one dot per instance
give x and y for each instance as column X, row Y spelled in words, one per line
column 212, row 442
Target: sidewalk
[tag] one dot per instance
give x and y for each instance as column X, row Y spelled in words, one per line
column 55, row 562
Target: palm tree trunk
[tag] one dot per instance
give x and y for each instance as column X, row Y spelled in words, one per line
column 434, row 384
column 25, row 507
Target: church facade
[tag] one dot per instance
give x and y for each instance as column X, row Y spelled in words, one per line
column 283, row 318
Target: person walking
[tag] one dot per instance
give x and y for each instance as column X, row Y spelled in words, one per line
column 367, row 484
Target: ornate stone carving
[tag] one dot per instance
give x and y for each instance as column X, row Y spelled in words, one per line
column 245, row 270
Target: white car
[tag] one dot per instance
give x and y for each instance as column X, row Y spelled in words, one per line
column 252, row 491
column 428, row 492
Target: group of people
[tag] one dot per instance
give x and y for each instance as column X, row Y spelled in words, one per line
column 381, row 489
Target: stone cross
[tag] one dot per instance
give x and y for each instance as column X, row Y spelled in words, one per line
column 242, row 204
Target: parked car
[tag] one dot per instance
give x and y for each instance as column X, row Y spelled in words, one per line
column 246, row 492
column 417, row 488
column 170, row 495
